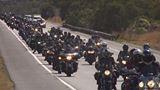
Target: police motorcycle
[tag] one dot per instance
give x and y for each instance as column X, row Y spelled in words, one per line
column 149, row 82
column 68, row 63
column 90, row 55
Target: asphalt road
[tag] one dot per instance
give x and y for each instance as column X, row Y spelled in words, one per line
column 24, row 70
column 30, row 72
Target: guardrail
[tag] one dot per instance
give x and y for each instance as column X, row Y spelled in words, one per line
column 90, row 31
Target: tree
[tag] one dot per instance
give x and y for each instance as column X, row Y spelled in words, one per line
column 111, row 17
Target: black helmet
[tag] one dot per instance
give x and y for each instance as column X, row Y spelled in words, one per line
column 147, row 52
column 125, row 47
column 147, row 57
column 146, row 46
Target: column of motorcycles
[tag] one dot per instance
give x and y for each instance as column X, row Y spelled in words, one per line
column 62, row 50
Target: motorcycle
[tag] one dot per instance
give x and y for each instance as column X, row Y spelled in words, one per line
column 39, row 46
column 149, row 82
column 90, row 56
column 105, row 79
column 32, row 43
column 44, row 50
column 101, row 63
column 122, row 63
column 68, row 63
column 50, row 57
column 130, row 80
column 79, row 52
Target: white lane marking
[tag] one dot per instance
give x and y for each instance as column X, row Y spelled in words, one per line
column 68, row 85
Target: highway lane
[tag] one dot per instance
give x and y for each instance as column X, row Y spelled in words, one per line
column 114, row 47
column 78, row 81
column 26, row 73
column 83, row 79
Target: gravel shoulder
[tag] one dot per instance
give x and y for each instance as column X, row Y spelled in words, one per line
column 5, row 81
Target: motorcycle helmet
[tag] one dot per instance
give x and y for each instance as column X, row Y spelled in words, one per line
column 138, row 55
column 148, row 57
column 147, row 52
column 146, row 46
column 125, row 47
column 69, row 34
column 137, row 52
column 131, row 51
column 104, row 44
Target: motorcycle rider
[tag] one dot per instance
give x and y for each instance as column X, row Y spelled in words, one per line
column 146, row 46
column 103, row 50
column 149, row 64
column 105, row 58
column 38, row 40
column 147, row 52
column 136, row 59
column 123, row 53
column 132, row 70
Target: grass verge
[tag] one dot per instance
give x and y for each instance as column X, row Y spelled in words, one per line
column 153, row 38
column 5, row 81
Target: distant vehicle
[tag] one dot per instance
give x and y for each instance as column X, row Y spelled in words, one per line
column 37, row 18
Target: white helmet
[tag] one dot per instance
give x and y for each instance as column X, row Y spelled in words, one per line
column 137, row 52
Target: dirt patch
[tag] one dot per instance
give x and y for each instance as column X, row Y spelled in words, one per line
column 5, row 81
column 153, row 38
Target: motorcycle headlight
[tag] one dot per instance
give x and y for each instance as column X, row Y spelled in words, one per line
column 151, row 84
column 55, row 36
column 39, row 42
column 124, row 62
column 36, row 29
column 90, row 52
column 107, row 72
column 69, row 57
column 141, row 84
column 59, row 58
column 48, row 51
column 97, row 44
column 127, row 77
column 76, row 47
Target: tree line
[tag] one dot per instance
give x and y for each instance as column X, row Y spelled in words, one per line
column 102, row 15
column 108, row 15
